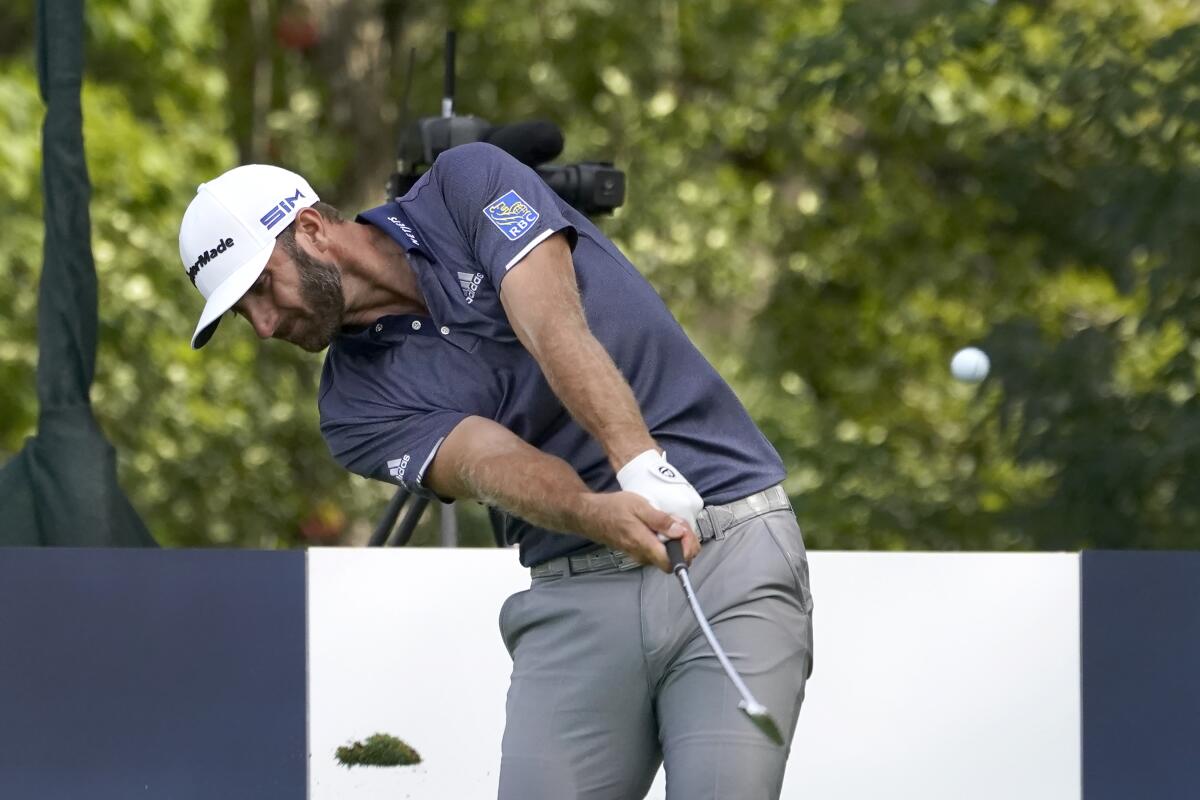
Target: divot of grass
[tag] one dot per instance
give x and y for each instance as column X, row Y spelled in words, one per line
column 379, row 750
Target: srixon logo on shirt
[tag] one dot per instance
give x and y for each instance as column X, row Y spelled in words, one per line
column 207, row 256
column 397, row 466
column 412, row 237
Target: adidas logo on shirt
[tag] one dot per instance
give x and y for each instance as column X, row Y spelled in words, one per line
column 397, row 466
column 470, row 284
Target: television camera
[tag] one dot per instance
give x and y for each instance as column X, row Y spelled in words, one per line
column 592, row 187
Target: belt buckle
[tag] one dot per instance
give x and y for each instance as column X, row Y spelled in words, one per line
column 706, row 519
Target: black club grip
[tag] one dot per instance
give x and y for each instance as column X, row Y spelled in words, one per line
column 675, row 553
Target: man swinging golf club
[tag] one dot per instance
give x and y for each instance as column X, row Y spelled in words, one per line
column 486, row 341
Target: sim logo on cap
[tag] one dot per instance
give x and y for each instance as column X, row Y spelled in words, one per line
column 280, row 210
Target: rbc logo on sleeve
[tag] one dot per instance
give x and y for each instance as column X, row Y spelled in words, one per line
column 512, row 215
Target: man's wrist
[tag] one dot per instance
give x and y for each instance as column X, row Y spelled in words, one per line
column 639, row 462
column 627, row 452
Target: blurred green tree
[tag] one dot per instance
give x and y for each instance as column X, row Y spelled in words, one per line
column 833, row 196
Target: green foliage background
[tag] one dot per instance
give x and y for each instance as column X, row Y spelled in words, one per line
column 833, row 196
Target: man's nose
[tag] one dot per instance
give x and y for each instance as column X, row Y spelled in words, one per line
column 264, row 320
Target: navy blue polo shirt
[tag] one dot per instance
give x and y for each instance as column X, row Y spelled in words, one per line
column 391, row 392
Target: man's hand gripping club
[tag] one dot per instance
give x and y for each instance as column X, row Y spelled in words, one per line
column 664, row 487
column 626, row 521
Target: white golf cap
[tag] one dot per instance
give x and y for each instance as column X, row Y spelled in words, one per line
column 228, row 233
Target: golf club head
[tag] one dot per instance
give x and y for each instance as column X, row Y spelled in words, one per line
column 762, row 720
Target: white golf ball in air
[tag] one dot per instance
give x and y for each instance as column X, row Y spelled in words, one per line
column 970, row 365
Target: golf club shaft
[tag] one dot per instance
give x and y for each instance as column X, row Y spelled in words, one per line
column 675, row 552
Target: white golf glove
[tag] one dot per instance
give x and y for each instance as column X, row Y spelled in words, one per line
column 650, row 476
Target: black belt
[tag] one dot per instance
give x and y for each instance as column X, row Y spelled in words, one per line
column 711, row 523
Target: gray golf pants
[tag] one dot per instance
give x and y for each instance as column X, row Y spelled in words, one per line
column 612, row 676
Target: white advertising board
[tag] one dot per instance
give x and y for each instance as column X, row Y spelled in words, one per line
column 938, row 676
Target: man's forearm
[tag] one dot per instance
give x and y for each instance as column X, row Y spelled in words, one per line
column 543, row 304
column 537, row 487
column 584, row 377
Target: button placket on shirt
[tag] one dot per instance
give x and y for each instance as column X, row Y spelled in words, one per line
column 396, row 328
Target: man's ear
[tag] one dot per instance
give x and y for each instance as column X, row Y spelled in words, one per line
column 310, row 224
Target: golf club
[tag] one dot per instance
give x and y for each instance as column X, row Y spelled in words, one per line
column 753, row 709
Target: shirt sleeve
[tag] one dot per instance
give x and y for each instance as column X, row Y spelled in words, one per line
column 502, row 208
column 395, row 450
column 378, row 424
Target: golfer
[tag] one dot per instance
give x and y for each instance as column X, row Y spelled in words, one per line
column 486, row 341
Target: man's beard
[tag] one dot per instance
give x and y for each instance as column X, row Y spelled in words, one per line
column 321, row 290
